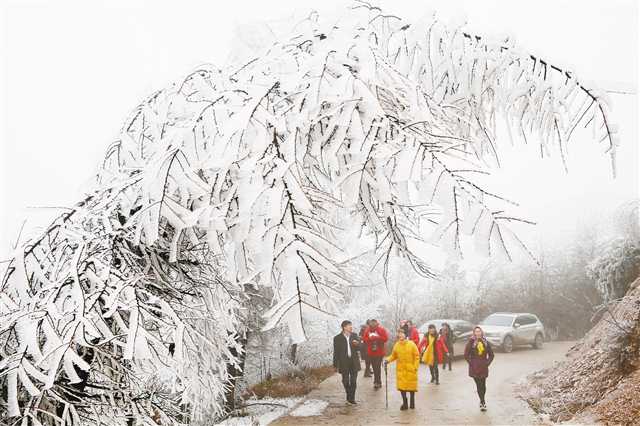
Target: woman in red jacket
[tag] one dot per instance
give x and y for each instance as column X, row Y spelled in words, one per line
column 410, row 331
column 375, row 337
column 415, row 334
column 435, row 349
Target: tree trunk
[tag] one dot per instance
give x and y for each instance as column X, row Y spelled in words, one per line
column 235, row 372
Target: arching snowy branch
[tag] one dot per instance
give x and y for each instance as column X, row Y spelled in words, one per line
column 235, row 177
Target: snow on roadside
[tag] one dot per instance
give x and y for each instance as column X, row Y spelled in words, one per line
column 261, row 412
column 311, row 407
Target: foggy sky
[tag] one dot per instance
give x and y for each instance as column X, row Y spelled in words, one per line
column 73, row 70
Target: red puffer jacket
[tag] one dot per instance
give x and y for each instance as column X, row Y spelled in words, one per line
column 375, row 340
column 440, row 347
column 414, row 335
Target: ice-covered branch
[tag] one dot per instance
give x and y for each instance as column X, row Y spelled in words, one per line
column 237, row 178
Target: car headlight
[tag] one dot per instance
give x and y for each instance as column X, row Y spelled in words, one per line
column 493, row 334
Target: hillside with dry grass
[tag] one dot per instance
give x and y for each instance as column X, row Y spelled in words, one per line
column 600, row 379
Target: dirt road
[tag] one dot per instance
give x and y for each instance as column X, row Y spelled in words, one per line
column 454, row 401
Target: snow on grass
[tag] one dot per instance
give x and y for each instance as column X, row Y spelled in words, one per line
column 261, row 412
column 311, row 407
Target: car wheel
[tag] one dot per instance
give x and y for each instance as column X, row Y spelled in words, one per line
column 507, row 344
column 538, row 342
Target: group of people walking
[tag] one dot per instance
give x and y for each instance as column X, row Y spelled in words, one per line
column 435, row 348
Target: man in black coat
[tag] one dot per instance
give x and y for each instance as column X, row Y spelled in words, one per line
column 346, row 360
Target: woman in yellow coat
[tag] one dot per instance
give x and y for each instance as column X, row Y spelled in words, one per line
column 407, row 358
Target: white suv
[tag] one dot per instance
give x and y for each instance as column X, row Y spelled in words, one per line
column 507, row 329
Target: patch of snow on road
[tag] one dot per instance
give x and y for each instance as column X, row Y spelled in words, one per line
column 261, row 412
column 311, row 407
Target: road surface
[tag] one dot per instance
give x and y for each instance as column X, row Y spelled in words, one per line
column 453, row 402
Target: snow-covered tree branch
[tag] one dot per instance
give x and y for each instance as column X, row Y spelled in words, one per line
column 235, row 177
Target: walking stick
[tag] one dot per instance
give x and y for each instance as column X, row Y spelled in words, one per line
column 386, row 388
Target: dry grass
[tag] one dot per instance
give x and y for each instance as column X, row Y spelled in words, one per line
column 600, row 379
column 622, row 405
column 295, row 384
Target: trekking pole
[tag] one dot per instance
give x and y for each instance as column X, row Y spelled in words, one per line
column 386, row 388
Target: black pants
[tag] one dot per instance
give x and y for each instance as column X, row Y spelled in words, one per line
column 447, row 360
column 367, row 364
column 412, row 395
column 481, row 387
column 376, row 364
column 349, row 382
column 433, row 369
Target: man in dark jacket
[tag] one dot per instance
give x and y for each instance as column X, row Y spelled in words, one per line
column 346, row 360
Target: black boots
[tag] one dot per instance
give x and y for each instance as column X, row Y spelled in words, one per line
column 412, row 400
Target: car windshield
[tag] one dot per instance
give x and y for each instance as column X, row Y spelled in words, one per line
column 501, row 320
